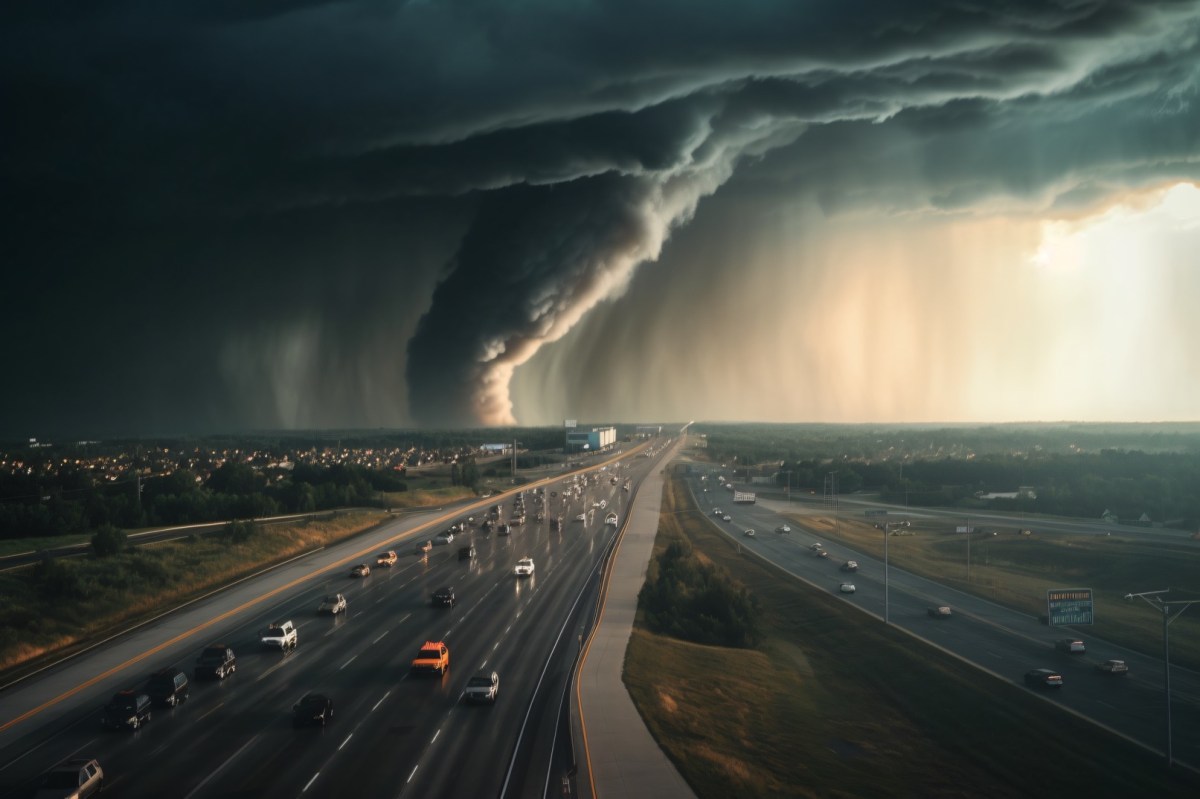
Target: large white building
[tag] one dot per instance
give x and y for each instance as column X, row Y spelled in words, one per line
column 595, row 440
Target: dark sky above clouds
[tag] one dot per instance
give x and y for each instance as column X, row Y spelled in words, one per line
column 221, row 215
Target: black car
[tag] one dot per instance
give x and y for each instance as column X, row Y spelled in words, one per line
column 466, row 553
column 312, row 709
column 167, row 688
column 217, row 661
column 444, row 597
column 127, row 709
column 1043, row 678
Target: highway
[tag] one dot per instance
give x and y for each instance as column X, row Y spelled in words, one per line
column 1004, row 642
column 394, row 733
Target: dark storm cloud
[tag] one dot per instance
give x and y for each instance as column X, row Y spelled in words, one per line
column 152, row 143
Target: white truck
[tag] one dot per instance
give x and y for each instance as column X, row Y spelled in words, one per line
column 281, row 635
column 743, row 497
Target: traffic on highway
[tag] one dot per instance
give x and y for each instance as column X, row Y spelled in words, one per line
column 316, row 680
column 1115, row 687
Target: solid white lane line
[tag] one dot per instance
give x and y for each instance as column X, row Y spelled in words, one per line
column 310, row 782
column 380, row 702
column 348, row 737
column 410, row 776
column 435, row 735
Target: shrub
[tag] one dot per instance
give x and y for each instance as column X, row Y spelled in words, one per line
column 108, row 541
column 238, row 532
column 696, row 601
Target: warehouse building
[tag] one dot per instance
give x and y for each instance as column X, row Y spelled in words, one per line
column 597, row 439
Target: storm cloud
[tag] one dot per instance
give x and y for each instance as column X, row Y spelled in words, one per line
column 343, row 213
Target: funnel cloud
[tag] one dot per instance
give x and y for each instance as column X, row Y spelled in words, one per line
column 307, row 213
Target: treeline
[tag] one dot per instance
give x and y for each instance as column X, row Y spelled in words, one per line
column 233, row 491
column 1073, row 470
column 696, row 601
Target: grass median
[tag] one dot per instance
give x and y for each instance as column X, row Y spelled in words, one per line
column 832, row 703
column 54, row 608
column 1016, row 570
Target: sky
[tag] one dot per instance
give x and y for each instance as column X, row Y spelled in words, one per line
column 295, row 214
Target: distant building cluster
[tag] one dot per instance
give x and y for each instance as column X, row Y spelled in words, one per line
column 38, row 459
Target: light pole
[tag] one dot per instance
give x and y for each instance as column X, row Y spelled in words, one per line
column 1169, row 614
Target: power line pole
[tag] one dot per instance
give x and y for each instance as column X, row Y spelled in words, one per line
column 1169, row 614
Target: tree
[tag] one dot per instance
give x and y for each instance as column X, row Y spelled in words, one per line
column 108, row 541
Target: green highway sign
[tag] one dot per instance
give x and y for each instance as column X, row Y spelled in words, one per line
column 1069, row 605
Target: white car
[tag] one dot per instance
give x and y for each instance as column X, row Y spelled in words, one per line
column 847, row 588
column 483, row 687
column 727, row 518
column 581, row 517
column 443, row 538
column 524, row 567
column 783, row 528
column 332, row 604
column 749, row 534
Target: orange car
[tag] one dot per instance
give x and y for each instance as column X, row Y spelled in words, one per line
column 434, row 656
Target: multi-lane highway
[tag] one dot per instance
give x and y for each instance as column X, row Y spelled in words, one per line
column 393, row 733
column 1005, row 642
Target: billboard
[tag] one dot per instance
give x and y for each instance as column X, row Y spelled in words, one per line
column 569, row 423
column 1069, row 605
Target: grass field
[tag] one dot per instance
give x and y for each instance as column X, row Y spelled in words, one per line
column 834, row 704
column 92, row 597
column 1016, row 571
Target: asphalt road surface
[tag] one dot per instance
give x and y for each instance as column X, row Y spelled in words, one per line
column 1005, row 642
column 393, row 732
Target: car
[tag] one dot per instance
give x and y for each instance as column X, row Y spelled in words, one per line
column 361, row 570
column 517, row 520
column 73, row 779
column 423, row 546
column 504, row 529
column 783, row 529
column 939, row 612
column 168, row 687
column 819, row 553
column 444, row 597
column 726, row 518
column 849, row 566
column 467, row 552
column 1043, row 678
column 217, row 661
column 126, row 710
column 312, row 709
column 581, row 517
column 434, row 656
column 1113, row 667
column 443, row 538
column 332, row 604
column 386, row 558
column 1072, row 646
column 524, row 567
column 281, row 635
column 749, row 534
column 814, row 546
column 483, row 687
column 847, row 588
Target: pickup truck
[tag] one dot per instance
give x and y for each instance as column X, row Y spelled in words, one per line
column 280, row 635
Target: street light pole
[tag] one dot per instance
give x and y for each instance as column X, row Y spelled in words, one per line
column 1169, row 614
